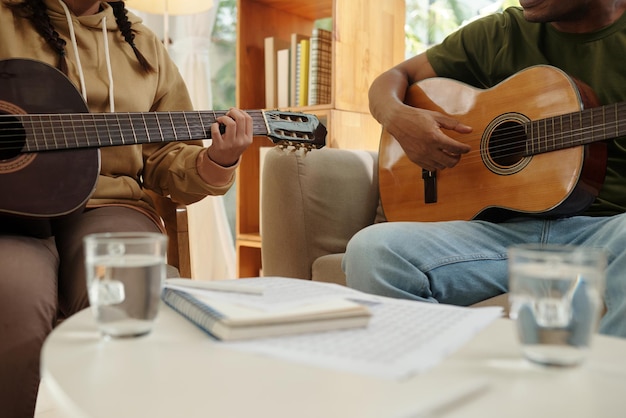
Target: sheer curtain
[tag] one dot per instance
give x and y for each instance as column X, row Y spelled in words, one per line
column 211, row 241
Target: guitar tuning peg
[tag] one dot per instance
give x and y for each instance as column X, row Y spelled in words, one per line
column 295, row 146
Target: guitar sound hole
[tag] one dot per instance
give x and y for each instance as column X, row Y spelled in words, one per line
column 507, row 144
column 12, row 137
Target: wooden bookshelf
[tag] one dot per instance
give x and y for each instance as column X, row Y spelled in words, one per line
column 368, row 38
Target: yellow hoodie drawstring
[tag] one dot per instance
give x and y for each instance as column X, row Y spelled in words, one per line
column 81, row 75
column 108, row 61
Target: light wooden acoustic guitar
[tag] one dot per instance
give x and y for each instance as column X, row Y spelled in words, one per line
column 536, row 149
column 49, row 142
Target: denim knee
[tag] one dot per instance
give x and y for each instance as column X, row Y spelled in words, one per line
column 360, row 258
column 376, row 261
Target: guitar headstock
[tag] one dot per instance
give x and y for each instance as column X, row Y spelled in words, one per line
column 300, row 130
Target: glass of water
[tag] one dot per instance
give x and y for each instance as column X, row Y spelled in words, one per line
column 556, row 297
column 125, row 275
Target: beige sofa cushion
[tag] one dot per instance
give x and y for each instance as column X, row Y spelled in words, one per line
column 312, row 204
column 327, row 268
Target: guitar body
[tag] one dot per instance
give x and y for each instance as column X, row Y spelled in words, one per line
column 487, row 183
column 41, row 185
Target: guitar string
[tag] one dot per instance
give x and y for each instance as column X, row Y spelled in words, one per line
column 513, row 145
column 518, row 147
column 84, row 121
column 133, row 116
column 501, row 133
column 467, row 159
column 574, row 137
column 61, row 120
column 89, row 124
column 86, row 125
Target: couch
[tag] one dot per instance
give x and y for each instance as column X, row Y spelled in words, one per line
column 312, row 203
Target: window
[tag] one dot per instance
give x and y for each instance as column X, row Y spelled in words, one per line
column 429, row 21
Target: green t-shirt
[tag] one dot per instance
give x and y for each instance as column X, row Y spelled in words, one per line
column 489, row 50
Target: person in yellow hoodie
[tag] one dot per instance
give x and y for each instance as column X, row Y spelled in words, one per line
column 118, row 65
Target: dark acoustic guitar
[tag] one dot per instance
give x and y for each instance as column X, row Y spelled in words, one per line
column 536, row 149
column 49, row 142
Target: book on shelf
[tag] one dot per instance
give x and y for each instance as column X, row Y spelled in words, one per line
column 282, row 77
column 294, row 67
column 263, row 307
column 296, row 77
column 272, row 45
column 303, row 71
column 320, row 67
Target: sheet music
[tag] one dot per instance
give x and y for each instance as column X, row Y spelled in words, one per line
column 403, row 338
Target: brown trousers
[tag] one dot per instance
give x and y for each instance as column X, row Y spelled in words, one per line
column 42, row 280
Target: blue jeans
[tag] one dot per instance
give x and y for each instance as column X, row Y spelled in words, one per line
column 464, row 262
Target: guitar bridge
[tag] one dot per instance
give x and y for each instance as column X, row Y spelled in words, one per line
column 430, row 186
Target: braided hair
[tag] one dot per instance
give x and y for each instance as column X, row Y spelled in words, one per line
column 36, row 12
column 120, row 12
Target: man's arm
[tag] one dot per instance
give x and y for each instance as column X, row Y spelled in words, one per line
column 418, row 131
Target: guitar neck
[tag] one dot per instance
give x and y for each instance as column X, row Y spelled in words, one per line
column 574, row 129
column 47, row 132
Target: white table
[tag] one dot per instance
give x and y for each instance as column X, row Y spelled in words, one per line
column 178, row 371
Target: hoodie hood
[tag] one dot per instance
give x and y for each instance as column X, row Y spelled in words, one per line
column 103, row 21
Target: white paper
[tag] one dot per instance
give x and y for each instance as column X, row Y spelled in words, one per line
column 403, row 338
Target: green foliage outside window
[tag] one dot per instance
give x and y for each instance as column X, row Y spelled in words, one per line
column 429, row 21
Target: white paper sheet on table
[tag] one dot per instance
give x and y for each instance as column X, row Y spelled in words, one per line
column 403, row 338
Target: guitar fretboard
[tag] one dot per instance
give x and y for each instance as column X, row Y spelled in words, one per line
column 47, row 132
column 574, row 129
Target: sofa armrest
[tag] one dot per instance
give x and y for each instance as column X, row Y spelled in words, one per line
column 312, row 203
